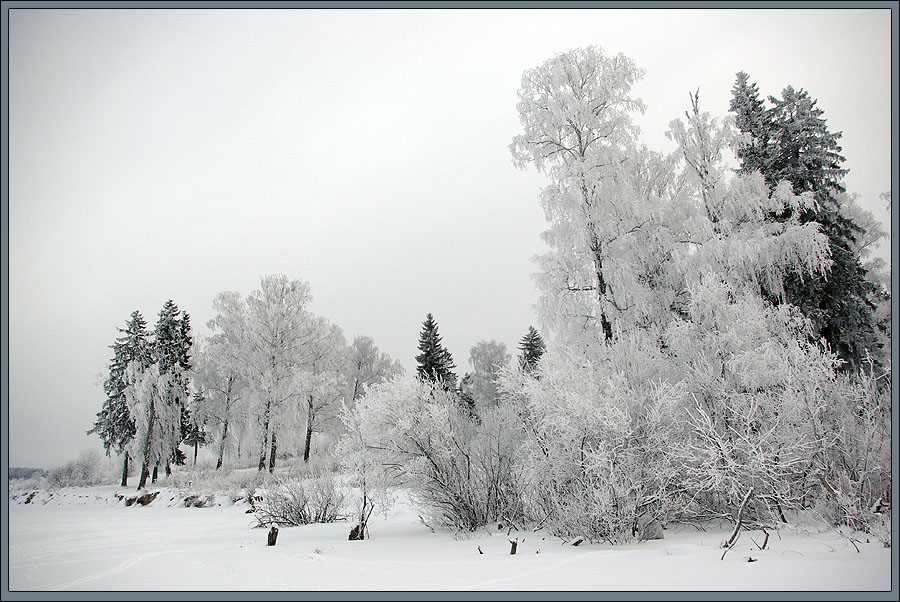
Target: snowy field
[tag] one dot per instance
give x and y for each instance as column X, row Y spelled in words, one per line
column 86, row 539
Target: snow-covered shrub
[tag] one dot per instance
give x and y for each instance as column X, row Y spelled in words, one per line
column 595, row 455
column 406, row 432
column 854, row 460
column 755, row 390
column 299, row 502
column 83, row 472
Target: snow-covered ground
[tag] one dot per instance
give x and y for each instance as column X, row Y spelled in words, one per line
column 87, row 539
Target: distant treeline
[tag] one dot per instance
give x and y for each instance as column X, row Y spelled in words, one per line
column 16, row 472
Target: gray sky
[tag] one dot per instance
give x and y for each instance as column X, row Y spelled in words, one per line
column 177, row 154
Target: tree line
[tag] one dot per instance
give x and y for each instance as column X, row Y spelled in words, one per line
column 270, row 368
column 712, row 332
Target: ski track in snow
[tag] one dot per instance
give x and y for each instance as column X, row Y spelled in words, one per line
column 123, row 566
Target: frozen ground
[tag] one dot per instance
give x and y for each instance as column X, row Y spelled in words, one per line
column 86, row 539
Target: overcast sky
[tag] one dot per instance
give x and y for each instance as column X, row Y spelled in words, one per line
column 177, row 154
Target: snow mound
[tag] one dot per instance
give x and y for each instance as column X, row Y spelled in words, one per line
column 683, row 549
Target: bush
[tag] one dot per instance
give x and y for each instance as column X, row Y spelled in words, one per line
column 83, row 472
column 854, row 471
column 595, row 459
column 299, row 502
column 414, row 434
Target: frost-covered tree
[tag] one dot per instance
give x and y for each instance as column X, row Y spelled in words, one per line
column 487, row 359
column 157, row 395
column 531, row 348
column 222, row 385
column 114, row 423
column 604, row 194
column 323, row 386
column 790, row 142
column 279, row 331
column 173, row 340
column 722, row 224
column 221, row 372
column 367, row 365
column 435, row 363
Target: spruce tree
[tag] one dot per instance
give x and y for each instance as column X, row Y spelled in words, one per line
column 171, row 362
column 434, row 363
column 791, row 142
column 532, row 348
column 752, row 119
column 114, row 423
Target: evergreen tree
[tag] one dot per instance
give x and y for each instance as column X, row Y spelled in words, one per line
column 791, row 142
column 193, row 433
column 114, row 423
column 467, row 393
column 532, row 348
column 161, row 393
column 752, row 119
column 434, row 363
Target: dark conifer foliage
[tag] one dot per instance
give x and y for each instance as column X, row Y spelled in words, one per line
column 532, row 347
column 114, row 423
column 790, row 141
column 434, row 362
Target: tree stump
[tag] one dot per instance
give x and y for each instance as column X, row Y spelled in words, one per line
column 514, row 543
column 358, row 533
column 273, row 535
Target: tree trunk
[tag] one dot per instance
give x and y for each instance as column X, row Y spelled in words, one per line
column 222, row 447
column 225, row 424
column 272, row 453
column 309, row 429
column 147, row 440
column 265, row 442
column 125, row 472
column 145, row 474
column 597, row 250
column 196, row 446
column 155, row 473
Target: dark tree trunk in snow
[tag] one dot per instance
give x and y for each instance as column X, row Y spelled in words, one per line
column 196, row 446
column 145, row 474
column 272, row 453
column 265, row 441
column 125, row 472
column 309, row 428
column 222, row 447
column 155, row 473
column 147, row 441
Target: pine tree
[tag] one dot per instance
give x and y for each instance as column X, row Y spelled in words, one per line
column 114, row 423
column 791, row 142
column 434, row 363
column 532, row 348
